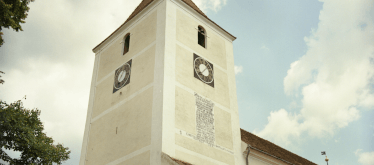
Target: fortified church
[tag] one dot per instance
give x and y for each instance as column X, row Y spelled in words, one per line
column 163, row 92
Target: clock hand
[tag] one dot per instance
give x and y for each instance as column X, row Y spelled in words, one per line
column 123, row 76
column 204, row 69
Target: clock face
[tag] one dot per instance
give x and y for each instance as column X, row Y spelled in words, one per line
column 203, row 70
column 122, row 76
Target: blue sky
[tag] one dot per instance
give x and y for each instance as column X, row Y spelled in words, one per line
column 305, row 69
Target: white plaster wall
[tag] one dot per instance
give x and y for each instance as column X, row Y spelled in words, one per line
column 223, row 128
column 123, row 131
column 185, row 113
column 187, row 35
column 142, row 34
column 185, row 77
column 158, row 91
column 169, row 82
column 142, row 74
column 233, row 101
column 135, row 134
column 142, row 159
column 202, row 149
column 219, row 52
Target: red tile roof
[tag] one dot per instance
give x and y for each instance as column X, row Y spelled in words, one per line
column 145, row 3
column 272, row 149
column 138, row 9
column 266, row 147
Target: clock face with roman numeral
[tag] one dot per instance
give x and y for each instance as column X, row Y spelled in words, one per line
column 203, row 70
column 122, row 76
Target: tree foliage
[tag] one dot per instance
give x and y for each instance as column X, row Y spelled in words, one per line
column 12, row 13
column 22, row 130
column 1, row 80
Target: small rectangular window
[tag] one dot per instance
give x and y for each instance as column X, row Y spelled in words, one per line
column 201, row 36
column 126, row 44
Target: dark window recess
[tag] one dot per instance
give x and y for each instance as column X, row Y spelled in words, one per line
column 126, row 45
column 201, row 36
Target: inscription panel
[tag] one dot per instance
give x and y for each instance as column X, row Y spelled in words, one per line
column 204, row 120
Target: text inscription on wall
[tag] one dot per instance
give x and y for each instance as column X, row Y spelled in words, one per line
column 204, row 120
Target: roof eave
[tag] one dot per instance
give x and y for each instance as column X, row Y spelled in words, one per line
column 129, row 21
column 245, row 140
column 212, row 23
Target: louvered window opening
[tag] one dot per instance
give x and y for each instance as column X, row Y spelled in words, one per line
column 126, row 45
column 201, row 36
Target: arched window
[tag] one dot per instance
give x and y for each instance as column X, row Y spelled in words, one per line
column 126, row 43
column 201, row 36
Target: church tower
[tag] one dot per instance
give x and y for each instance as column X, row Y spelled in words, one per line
column 163, row 90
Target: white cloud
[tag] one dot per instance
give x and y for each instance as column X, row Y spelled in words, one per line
column 238, row 69
column 51, row 62
column 282, row 124
column 334, row 77
column 264, row 47
column 206, row 5
column 61, row 93
column 293, row 105
column 365, row 158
